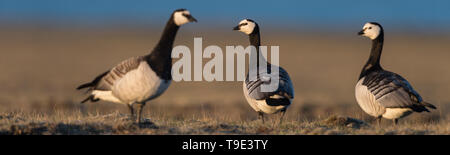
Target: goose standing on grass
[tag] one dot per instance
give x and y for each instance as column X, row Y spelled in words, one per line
column 381, row 93
column 265, row 102
column 140, row 79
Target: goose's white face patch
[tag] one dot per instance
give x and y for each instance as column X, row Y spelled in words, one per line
column 371, row 30
column 246, row 26
column 181, row 19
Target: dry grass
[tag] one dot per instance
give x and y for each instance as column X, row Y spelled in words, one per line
column 70, row 117
column 41, row 66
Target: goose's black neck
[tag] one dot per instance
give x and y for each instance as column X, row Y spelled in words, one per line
column 160, row 59
column 373, row 64
column 167, row 38
column 255, row 40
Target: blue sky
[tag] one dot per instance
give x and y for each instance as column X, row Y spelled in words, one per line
column 426, row 14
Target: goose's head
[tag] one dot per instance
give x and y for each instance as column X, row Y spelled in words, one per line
column 182, row 16
column 371, row 30
column 247, row 26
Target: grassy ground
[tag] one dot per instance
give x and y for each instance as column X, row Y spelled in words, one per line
column 41, row 66
column 66, row 117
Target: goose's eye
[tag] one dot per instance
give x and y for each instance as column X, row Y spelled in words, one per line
column 370, row 28
column 243, row 24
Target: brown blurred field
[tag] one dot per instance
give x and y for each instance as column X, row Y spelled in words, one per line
column 41, row 66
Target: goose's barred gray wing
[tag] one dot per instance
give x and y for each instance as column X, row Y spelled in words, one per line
column 106, row 80
column 285, row 87
column 393, row 91
column 118, row 72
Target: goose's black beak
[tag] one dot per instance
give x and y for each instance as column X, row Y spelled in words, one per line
column 236, row 28
column 191, row 19
column 361, row 32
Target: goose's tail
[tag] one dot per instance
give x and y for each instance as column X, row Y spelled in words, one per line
column 86, row 85
column 90, row 98
column 426, row 104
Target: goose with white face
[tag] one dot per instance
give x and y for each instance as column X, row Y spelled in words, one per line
column 182, row 16
column 247, row 26
column 371, row 30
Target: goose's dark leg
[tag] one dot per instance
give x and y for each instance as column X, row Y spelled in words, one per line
column 130, row 106
column 379, row 121
column 395, row 121
column 141, row 107
column 281, row 116
column 261, row 116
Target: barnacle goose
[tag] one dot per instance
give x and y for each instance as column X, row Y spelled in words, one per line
column 382, row 93
column 142, row 78
column 265, row 102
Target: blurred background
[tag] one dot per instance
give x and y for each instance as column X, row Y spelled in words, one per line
column 322, row 14
column 49, row 47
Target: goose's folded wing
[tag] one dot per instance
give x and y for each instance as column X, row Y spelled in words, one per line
column 285, row 87
column 392, row 91
column 116, row 73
